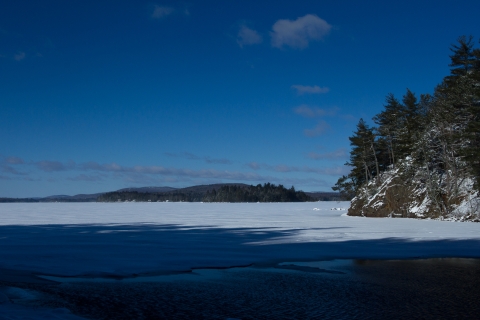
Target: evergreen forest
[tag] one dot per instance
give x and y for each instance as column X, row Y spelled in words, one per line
column 227, row 193
column 421, row 158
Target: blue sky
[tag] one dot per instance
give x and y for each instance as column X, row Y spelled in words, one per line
column 101, row 95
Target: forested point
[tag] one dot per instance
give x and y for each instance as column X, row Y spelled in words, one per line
column 266, row 193
column 422, row 157
column 231, row 193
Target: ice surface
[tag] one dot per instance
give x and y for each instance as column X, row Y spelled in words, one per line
column 125, row 239
column 101, row 239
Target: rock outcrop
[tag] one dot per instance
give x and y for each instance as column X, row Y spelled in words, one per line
column 406, row 192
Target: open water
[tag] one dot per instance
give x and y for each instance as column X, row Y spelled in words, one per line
column 338, row 289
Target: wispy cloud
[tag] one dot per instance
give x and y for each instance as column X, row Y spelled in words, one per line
column 95, row 172
column 109, row 167
column 19, row 56
column 191, row 156
column 319, row 129
column 247, row 36
column 179, row 172
column 313, row 112
column 301, row 90
column 51, row 166
column 334, row 155
column 254, row 165
column 14, row 160
column 161, row 11
column 9, row 169
column 298, row 33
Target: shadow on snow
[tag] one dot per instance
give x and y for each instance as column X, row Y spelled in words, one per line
column 128, row 249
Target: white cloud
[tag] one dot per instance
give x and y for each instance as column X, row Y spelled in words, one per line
column 298, row 33
column 247, row 36
column 319, row 129
column 19, row 56
column 161, row 11
column 310, row 89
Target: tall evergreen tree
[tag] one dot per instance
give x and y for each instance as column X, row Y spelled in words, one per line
column 463, row 57
column 410, row 124
column 363, row 156
column 389, row 124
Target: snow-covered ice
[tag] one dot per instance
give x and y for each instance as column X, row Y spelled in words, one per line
column 128, row 238
column 123, row 239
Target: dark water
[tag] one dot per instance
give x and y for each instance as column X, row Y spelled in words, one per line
column 348, row 289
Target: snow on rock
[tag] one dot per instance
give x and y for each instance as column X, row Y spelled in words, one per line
column 407, row 193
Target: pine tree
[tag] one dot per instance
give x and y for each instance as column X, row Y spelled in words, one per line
column 407, row 124
column 389, row 126
column 463, row 58
column 346, row 187
column 363, row 156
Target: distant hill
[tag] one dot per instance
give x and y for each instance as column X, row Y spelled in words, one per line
column 148, row 189
column 222, row 192
column 189, row 194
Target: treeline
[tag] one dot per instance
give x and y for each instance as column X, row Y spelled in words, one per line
column 153, row 197
column 260, row 193
column 7, row 200
column 438, row 135
column 229, row 193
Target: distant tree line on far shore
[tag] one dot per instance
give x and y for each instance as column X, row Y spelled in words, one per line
column 230, row 193
column 266, row 193
column 33, row 200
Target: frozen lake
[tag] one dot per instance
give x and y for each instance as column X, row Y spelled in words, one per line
column 122, row 239
column 154, row 247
